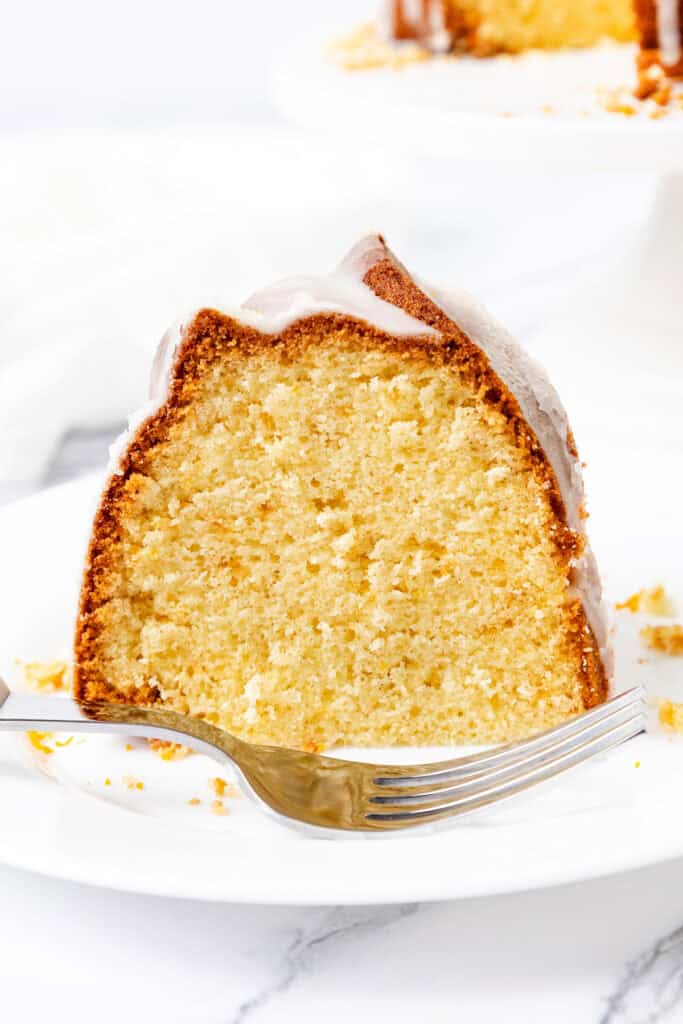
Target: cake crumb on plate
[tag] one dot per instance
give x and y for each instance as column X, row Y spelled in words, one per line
column 649, row 601
column 130, row 782
column 46, row 676
column 169, row 751
column 666, row 639
column 671, row 715
column 37, row 740
column 222, row 788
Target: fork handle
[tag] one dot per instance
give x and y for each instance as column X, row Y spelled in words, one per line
column 20, row 712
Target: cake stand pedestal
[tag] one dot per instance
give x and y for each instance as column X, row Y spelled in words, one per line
column 616, row 352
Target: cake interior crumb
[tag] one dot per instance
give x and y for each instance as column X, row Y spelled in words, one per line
column 341, row 510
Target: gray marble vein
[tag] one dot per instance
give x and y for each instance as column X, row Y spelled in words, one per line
column 301, row 951
column 651, row 989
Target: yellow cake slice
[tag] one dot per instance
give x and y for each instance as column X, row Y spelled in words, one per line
column 353, row 514
column 486, row 27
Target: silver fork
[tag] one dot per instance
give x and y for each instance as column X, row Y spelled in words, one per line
column 326, row 792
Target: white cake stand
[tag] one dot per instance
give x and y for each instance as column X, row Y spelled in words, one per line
column 617, row 352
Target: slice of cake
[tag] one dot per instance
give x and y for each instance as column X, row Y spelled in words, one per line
column 486, row 27
column 353, row 514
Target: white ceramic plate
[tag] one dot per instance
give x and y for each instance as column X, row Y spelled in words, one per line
column 540, row 109
column 58, row 817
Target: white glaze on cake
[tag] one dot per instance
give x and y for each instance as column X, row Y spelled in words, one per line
column 271, row 311
column 540, row 406
column 418, row 14
column 274, row 309
column 669, row 32
column 542, row 409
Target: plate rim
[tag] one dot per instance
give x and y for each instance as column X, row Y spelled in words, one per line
column 24, row 851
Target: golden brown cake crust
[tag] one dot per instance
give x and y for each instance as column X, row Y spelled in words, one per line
column 460, row 25
column 646, row 14
column 210, row 336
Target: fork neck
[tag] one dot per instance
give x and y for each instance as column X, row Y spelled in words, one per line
column 20, row 712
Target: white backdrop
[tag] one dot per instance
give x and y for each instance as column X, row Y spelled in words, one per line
column 147, row 60
column 143, row 171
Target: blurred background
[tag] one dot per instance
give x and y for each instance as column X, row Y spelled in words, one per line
column 145, row 168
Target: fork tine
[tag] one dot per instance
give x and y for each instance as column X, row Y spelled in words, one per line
column 420, row 814
column 471, row 786
column 416, row 775
column 456, row 782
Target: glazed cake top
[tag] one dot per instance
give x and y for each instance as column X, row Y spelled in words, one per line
column 346, row 293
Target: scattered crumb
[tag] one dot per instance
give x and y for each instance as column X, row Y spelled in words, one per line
column 107, row 781
column 194, row 802
column 46, row 676
column 637, row 764
column 218, row 807
column 614, row 103
column 37, row 740
column 218, row 786
column 671, row 715
column 222, row 788
column 364, row 48
column 132, row 783
column 64, row 743
column 667, row 639
column 168, row 751
column 649, row 601
column 655, row 96
column 129, row 746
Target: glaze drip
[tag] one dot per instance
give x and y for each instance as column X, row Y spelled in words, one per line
column 669, row 32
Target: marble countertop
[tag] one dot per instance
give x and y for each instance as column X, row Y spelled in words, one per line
column 603, row 952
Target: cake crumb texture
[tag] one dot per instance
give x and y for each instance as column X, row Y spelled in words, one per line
column 485, row 27
column 335, row 537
